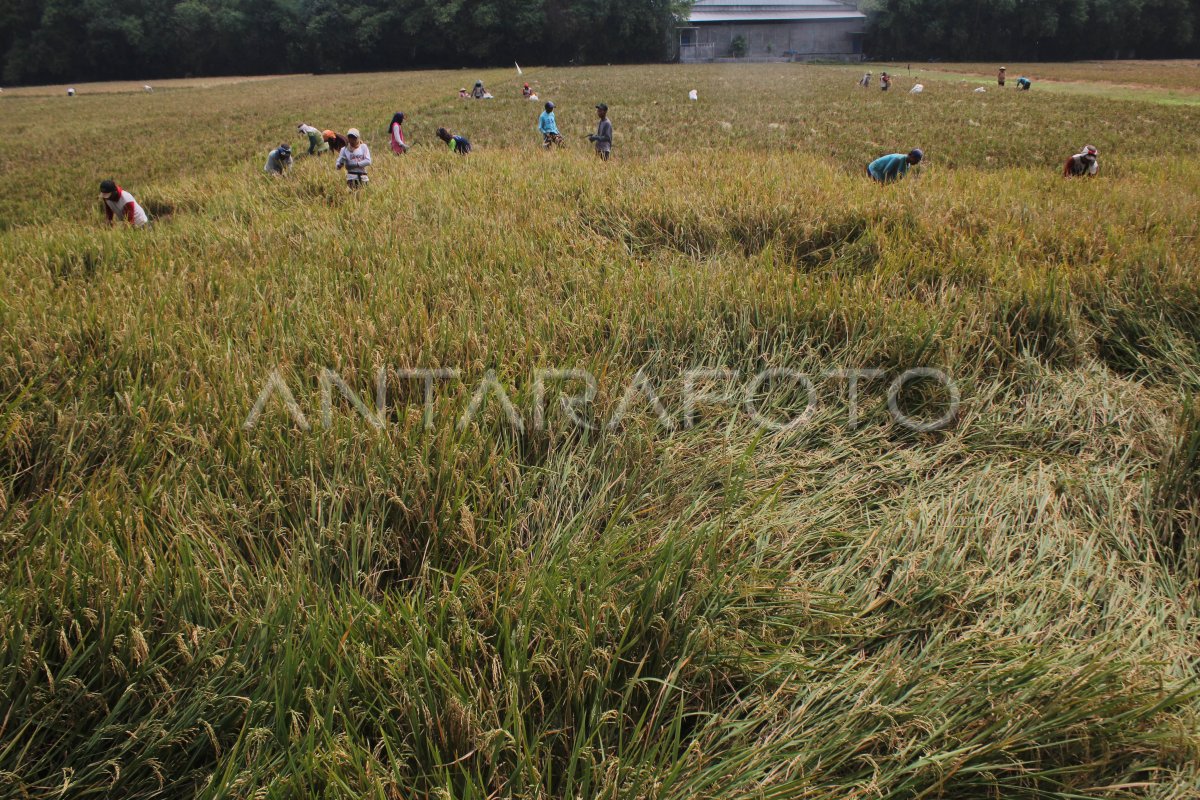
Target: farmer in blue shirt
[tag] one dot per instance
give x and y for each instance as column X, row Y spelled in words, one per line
column 886, row 169
column 548, row 127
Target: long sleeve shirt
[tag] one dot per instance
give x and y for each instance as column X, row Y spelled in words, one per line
column 398, row 143
column 125, row 207
column 547, row 123
column 277, row 163
column 1081, row 165
column 604, row 134
column 886, row 169
column 354, row 160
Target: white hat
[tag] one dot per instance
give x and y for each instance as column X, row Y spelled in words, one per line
column 353, row 132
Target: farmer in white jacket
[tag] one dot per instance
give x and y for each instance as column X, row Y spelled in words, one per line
column 355, row 157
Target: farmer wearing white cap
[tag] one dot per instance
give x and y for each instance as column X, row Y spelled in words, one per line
column 315, row 143
column 355, row 157
column 1082, row 163
column 119, row 203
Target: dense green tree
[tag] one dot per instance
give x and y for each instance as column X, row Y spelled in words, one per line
column 76, row 40
column 52, row 40
column 1032, row 29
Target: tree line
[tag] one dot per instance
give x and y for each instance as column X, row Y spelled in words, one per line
column 75, row 40
column 1032, row 30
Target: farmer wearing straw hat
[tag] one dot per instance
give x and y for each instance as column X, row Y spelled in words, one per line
column 1000, row 76
column 120, row 203
column 1082, row 163
column 355, row 157
column 890, row 168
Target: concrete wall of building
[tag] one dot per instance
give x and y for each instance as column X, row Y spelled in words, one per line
column 825, row 38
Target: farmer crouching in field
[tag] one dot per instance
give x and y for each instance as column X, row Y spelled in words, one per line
column 278, row 160
column 887, row 169
column 1083, row 163
column 355, row 157
column 548, row 128
column 604, row 133
column 315, row 143
column 120, row 203
column 1023, row 83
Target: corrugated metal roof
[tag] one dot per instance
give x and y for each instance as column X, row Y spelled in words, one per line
column 793, row 4
column 772, row 11
column 782, row 15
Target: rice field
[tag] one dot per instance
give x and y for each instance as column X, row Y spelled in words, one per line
column 303, row 495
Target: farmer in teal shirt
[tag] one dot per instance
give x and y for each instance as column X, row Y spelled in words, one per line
column 886, row 169
column 548, row 127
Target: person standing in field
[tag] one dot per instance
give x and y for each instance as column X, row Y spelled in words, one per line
column 1023, row 83
column 120, row 203
column 548, row 127
column 865, row 80
column 334, row 140
column 602, row 138
column 1083, row 163
column 457, row 144
column 355, row 157
column 315, row 143
column 399, row 147
column 885, row 81
column 278, row 160
column 1001, row 76
column 890, row 168
column 479, row 93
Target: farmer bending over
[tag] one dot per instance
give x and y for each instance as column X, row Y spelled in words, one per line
column 889, row 168
column 120, row 203
column 1083, row 163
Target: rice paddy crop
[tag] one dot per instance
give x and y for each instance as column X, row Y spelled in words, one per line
column 420, row 599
